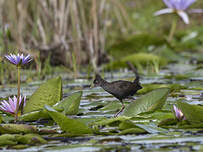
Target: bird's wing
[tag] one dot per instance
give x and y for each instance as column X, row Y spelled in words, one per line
column 120, row 86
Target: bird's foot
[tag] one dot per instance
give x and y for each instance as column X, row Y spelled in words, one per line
column 123, row 107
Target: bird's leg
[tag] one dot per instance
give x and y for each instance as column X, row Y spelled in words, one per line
column 123, row 107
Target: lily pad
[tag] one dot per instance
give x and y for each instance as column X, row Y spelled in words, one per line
column 133, row 131
column 147, row 103
column 71, row 126
column 47, row 94
column 31, row 139
column 127, row 124
column 7, row 139
column 192, row 113
column 35, row 115
column 17, row 128
column 69, row 105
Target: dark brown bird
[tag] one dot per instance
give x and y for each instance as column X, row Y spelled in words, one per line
column 120, row 89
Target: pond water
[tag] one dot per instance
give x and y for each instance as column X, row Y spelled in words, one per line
column 94, row 106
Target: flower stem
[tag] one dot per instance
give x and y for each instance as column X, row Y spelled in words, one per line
column 172, row 30
column 18, row 95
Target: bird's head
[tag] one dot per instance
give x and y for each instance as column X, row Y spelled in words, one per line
column 97, row 81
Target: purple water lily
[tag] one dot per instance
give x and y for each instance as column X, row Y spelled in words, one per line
column 178, row 113
column 18, row 59
column 10, row 105
column 179, row 7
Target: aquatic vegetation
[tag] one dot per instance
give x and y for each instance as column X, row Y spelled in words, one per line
column 192, row 113
column 10, row 105
column 19, row 61
column 49, row 93
column 140, row 60
column 135, row 44
column 178, row 113
column 149, row 102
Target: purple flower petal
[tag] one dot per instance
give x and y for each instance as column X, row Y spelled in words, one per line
column 164, row 11
column 186, row 3
column 178, row 4
column 10, row 106
column 18, row 59
column 24, row 101
column 178, row 113
column 168, row 3
column 26, row 59
column 184, row 16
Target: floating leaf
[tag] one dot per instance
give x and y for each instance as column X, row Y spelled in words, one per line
column 7, row 139
column 132, row 131
column 110, row 121
column 147, row 103
column 158, row 115
column 35, row 115
column 127, row 124
column 192, row 113
column 32, row 139
column 47, row 94
column 17, row 128
column 67, row 124
column 70, row 105
column 168, row 122
column 152, row 128
column 112, row 106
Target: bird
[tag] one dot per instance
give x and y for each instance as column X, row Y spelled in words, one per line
column 120, row 89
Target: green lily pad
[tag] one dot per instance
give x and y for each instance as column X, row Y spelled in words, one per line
column 69, row 105
column 67, row 124
column 147, row 103
column 32, row 139
column 158, row 115
column 17, row 128
column 110, row 121
column 192, row 113
column 47, row 94
column 35, row 115
column 112, row 106
column 152, row 128
column 127, row 124
column 168, row 122
column 133, row 131
column 7, row 139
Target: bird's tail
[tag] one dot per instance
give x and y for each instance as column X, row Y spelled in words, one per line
column 137, row 78
column 132, row 67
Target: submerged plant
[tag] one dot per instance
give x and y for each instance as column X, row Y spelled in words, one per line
column 179, row 7
column 178, row 113
column 19, row 61
column 10, row 105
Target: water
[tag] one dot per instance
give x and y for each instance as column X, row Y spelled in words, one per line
column 93, row 107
